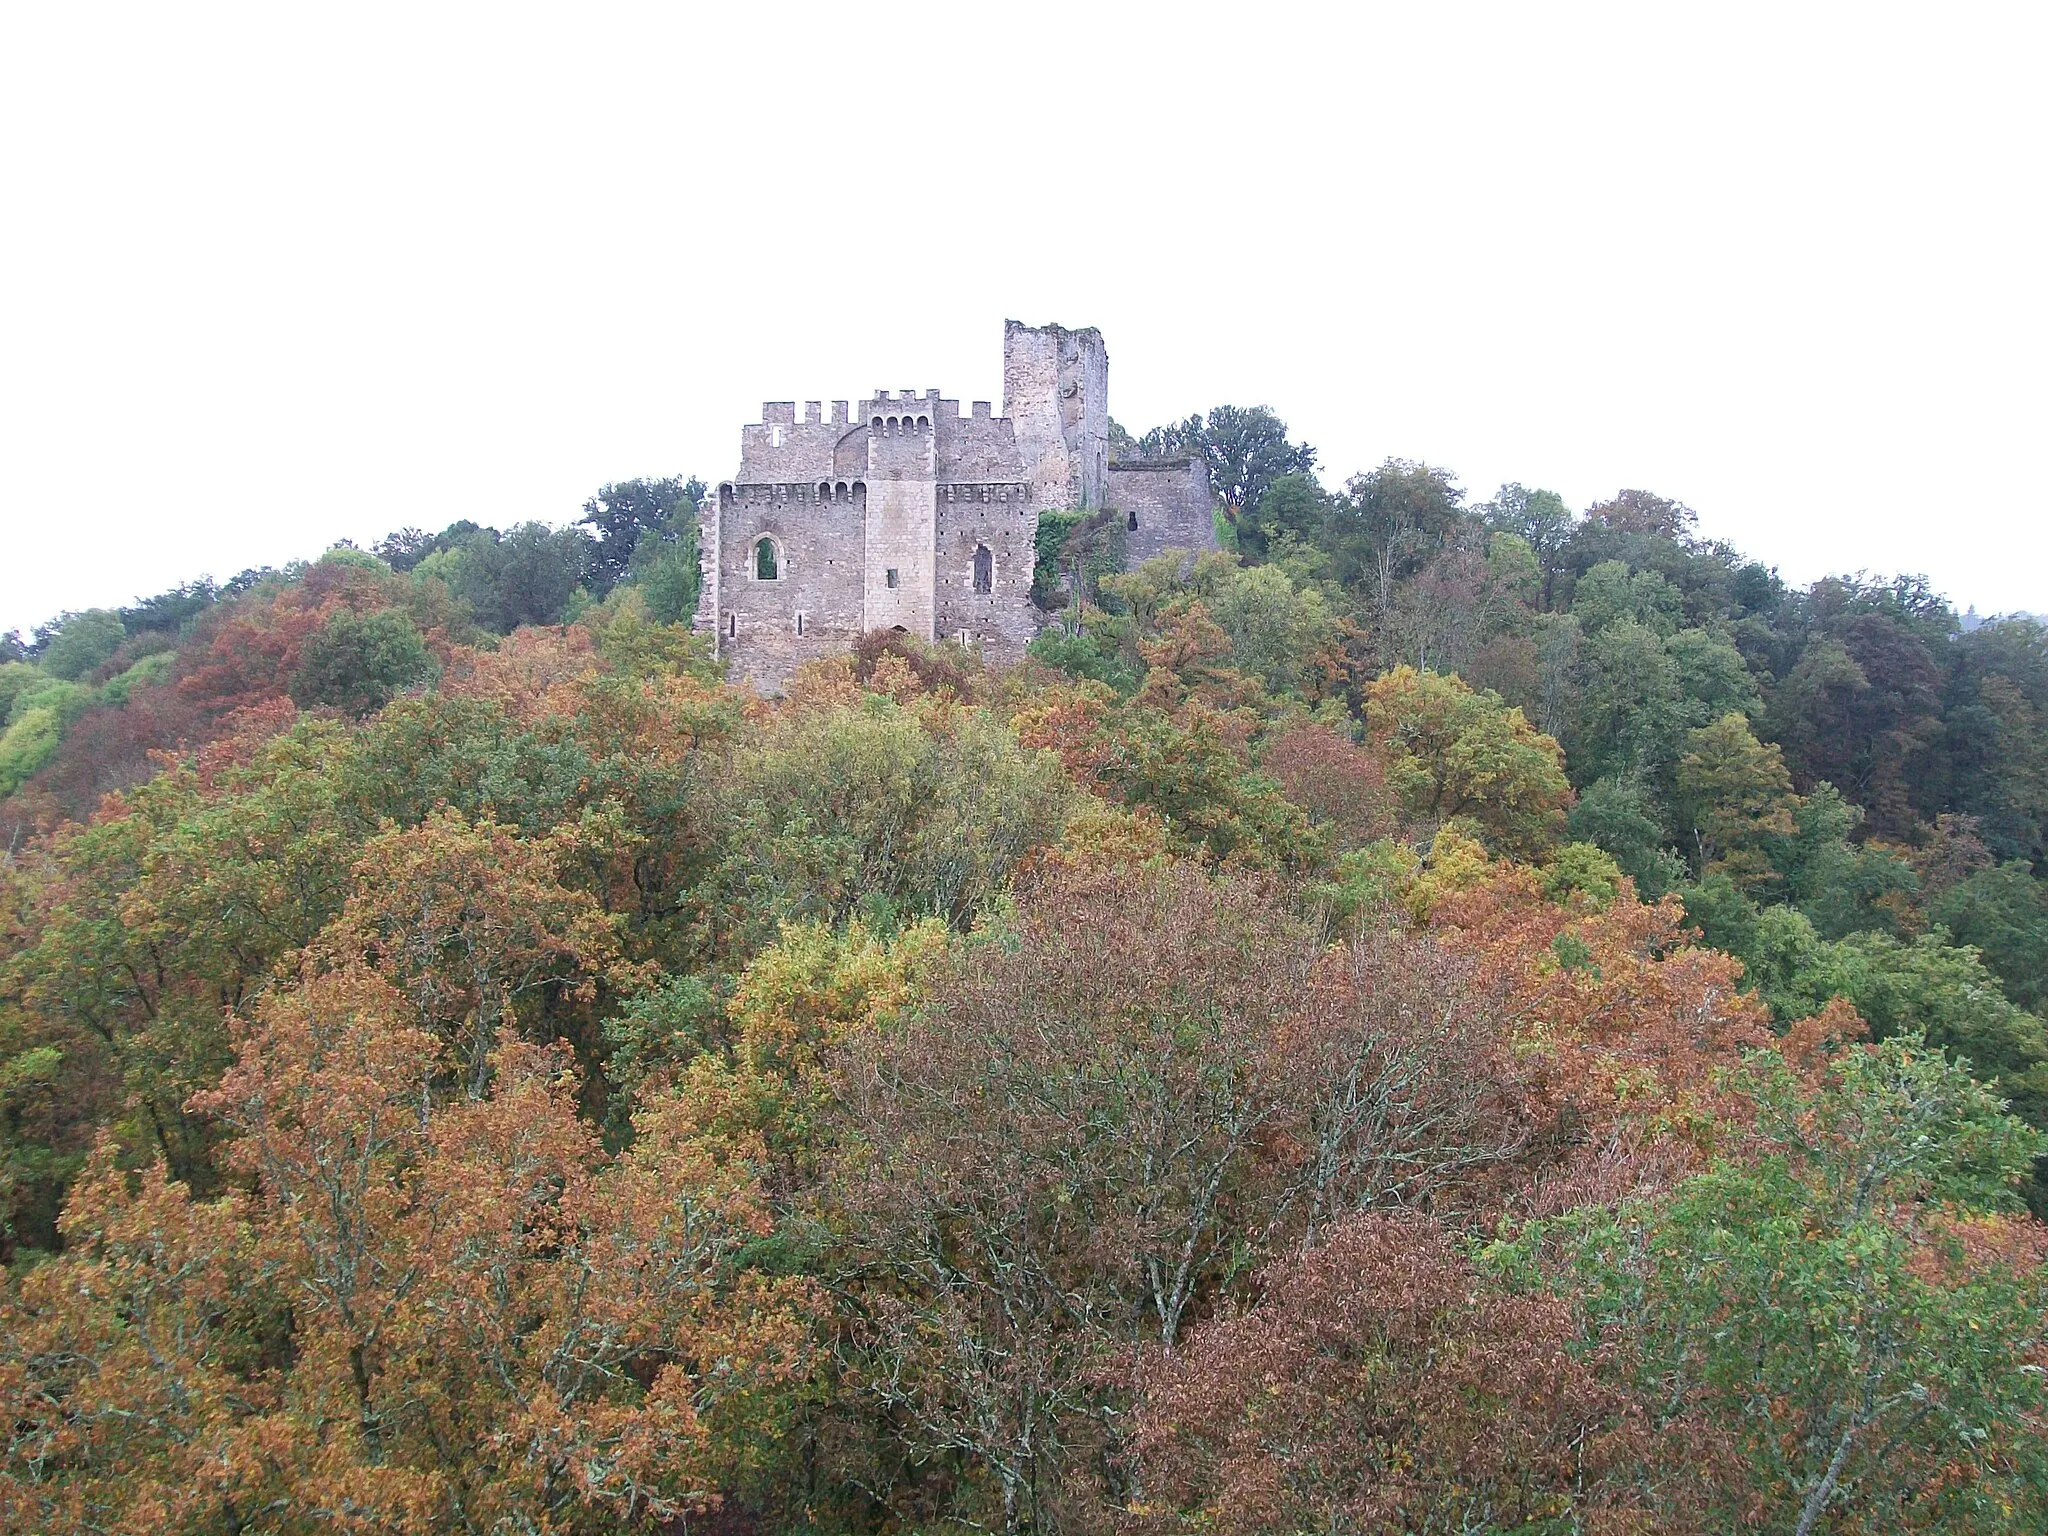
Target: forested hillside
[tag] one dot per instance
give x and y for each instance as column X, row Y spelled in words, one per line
column 1444, row 1015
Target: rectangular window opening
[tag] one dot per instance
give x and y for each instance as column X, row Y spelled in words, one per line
column 891, row 576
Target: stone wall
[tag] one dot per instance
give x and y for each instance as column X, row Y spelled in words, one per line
column 1166, row 505
column 999, row 518
column 813, row 604
column 780, row 449
column 976, row 449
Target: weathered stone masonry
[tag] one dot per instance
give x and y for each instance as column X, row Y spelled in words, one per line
column 909, row 515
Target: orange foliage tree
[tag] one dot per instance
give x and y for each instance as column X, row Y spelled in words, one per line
column 423, row 1313
column 1384, row 1384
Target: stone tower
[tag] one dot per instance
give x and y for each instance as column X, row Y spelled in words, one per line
column 901, row 527
column 1056, row 391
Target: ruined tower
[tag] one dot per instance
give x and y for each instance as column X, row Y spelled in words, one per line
column 1056, row 392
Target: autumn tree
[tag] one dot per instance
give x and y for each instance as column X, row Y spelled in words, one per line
column 1340, row 785
column 140, row 927
column 1383, row 1385
column 1053, row 1162
column 1402, row 1089
column 427, row 1313
column 1736, row 794
column 1624, row 1031
column 1451, row 752
column 477, row 932
column 1854, row 1306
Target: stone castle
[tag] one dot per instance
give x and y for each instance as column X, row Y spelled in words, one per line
column 907, row 515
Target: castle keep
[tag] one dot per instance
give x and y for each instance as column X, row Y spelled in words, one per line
column 908, row 515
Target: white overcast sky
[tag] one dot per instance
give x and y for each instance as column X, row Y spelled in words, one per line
column 277, row 275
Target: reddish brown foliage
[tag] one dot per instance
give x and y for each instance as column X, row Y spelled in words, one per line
column 108, row 749
column 1340, row 785
column 1072, row 721
column 246, row 651
column 475, row 928
column 889, row 661
column 532, row 674
column 1625, row 1026
column 1403, row 1088
column 1382, row 1385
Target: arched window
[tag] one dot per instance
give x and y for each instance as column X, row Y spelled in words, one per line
column 766, row 566
column 984, row 569
column 1131, row 521
column 923, row 422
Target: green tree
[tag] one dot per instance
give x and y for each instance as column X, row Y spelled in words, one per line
column 1622, row 816
column 1451, row 752
column 625, row 512
column 1945, row 994
column 1388, row 525
column 170, row 610
column 1542, row 521
column 1712, row 675
column 1293, row 511
column 1995, row 734
column 1861, row 708
column 1276, row 629
column 16, row 679
column 358, row 663
column 878, row 810
column 1246, row 451
column 1611, row 592
column 525, row 575
column 665, row 568
column 2002, row 913
column 76, row 644
column 26, row 745
column 408, row 548
column 1854, row 1308
column 1735, row 795
column 1632, row 712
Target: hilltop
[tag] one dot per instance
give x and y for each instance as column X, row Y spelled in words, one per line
column 1433, row 1013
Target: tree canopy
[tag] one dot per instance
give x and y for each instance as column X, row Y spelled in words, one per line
column 1437, row 1015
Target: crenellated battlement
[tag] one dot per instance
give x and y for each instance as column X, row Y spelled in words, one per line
column 782, row 413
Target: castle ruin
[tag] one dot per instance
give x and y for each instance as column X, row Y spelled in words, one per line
column 908, row 515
